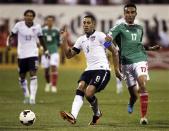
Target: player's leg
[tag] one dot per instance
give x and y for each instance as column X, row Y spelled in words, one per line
column 33, row 66
column 143, row 98
column 131, row 84
column 90, row 91
column 47, row 78
column 45, row 65
column 98, row 83
column 76, row 105
column 142, row 77
column 78, row 99
column 54, row 78
column 54, row 62
column 119, row 86
column 133, row 97
column 22, row 65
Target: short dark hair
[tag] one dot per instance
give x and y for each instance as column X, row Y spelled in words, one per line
column 30, row 11
column 130, row 5
column 50, row 16
column 91, row 17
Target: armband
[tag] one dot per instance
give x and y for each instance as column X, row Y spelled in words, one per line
column 107, row 44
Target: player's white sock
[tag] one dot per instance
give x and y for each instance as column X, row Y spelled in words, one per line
column 77, row 104
column 33, row 87
column 119, row 86
column 24, row 85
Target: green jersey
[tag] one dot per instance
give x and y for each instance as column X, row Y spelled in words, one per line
column 131, row 47
column 52, row 39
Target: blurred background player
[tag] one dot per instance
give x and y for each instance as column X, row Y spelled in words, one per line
column 52, row 41
column 133, row 59
column 27, row 32
column 97, row 74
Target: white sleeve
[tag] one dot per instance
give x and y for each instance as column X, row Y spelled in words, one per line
column 102, row 38
column 78, row 44
column 15, row 29
column 39, row 32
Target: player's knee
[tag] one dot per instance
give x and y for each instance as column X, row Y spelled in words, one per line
column 88, row 94
column 81, row 86
column 90, row 91
column 142, row 88
column 53, row 68
column 32, row 73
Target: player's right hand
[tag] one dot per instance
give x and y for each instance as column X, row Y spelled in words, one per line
column 119, row 74
column 108, row 38
column 64, row 34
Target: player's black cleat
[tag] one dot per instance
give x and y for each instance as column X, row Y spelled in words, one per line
column 67, row 116
column 95, row 119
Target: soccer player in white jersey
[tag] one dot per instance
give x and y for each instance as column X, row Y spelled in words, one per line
column 27, row 32
column 96, row 75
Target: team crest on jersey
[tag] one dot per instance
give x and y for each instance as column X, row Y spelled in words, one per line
column 139, row 31
column 92, row 38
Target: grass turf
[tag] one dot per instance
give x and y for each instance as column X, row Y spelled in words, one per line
column 113, row 106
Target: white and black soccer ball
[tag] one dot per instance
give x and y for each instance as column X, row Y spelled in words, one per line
column 27, row 117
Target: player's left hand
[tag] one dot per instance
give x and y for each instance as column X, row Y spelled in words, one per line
column 119, row 75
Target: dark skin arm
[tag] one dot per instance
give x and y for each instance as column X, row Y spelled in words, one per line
column 41, row 40
column 116, row 64
column 152, row 48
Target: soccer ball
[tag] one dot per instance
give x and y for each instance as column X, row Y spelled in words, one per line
column 143, row 121
column 27, row 117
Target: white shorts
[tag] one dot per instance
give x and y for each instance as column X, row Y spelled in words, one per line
column 52, row 61
column 133, row 71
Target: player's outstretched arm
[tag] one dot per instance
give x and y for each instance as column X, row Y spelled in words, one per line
column 116, row 62
column 69, row 53
column 152, row 48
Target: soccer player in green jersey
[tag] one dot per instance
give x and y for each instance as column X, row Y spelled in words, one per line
column 133, row 58
column 52, row 41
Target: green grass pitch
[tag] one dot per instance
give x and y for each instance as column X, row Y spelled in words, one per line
column 113, row 106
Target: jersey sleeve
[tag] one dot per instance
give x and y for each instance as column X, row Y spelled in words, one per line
column 39, row 31
column 102, row 38
column 15, row 29
column 77, row 46
column 114, row 31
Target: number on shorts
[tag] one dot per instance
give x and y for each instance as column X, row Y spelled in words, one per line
column 97, row 78
column 143, row 69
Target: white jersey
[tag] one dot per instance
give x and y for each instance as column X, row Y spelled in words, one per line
column 94, row 50
column 27, row 39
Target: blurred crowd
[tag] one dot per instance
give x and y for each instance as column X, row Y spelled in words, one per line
column 154, row 34
column 84, row 2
